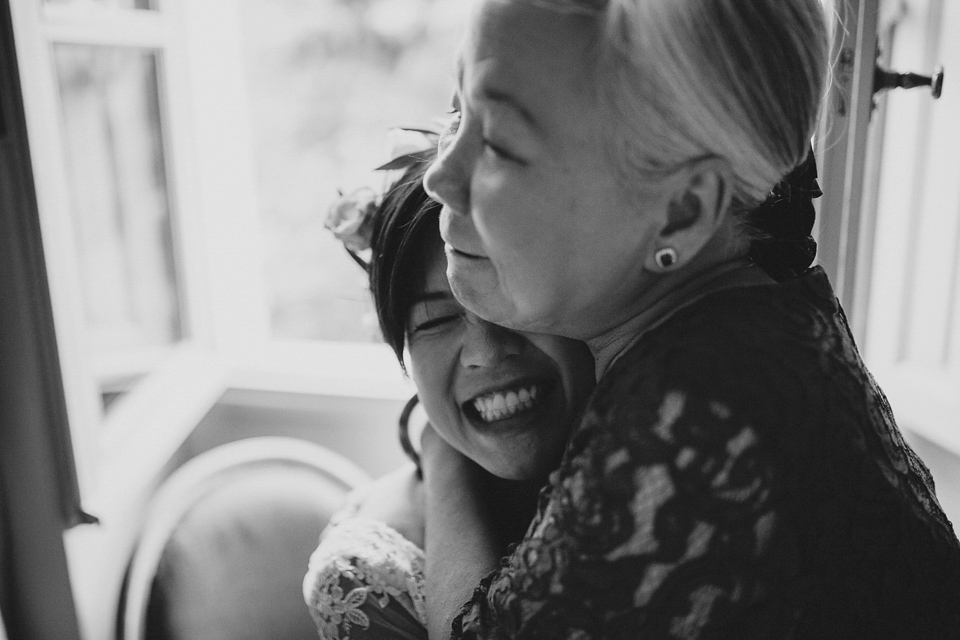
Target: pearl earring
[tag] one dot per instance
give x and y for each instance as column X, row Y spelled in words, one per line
column 666, row 258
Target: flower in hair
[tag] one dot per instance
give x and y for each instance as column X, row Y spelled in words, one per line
column 350, row 218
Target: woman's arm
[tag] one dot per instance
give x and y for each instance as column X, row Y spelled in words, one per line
column 365, row 579
column 461, row 542
column 667, row 530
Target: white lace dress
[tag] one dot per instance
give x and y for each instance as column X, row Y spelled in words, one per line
column 365, row 581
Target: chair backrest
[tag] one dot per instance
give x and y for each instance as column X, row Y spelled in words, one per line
column 226, row 540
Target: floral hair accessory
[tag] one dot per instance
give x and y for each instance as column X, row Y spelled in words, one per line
column 350, row 217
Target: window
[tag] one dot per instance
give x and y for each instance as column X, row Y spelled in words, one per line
column 123, row 227
column 184, row 155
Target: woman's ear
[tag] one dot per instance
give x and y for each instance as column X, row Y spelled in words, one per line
column 698, row 207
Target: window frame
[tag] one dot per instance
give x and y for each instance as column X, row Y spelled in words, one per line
column 122, row 454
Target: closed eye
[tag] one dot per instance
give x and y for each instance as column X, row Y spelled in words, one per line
column 499, row 151
column 433, row 323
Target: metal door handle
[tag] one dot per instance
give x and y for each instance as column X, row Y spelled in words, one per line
column 884, row 79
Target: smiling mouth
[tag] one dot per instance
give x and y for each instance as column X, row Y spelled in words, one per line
column 508, row 402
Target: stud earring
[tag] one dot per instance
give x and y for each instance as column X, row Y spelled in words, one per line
column 666, row 258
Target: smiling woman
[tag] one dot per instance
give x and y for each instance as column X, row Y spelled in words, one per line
column 504, row 399
column 498, row 396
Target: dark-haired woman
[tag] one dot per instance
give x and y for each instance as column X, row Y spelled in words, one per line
column 503, row 399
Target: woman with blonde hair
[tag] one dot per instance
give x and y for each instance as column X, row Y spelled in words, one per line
column 637, row 174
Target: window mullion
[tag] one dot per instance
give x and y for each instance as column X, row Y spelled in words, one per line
column 222, row 173
column 105, row 27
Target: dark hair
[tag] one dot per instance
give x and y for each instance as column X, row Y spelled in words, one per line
column 782, row 225
column 405, row 236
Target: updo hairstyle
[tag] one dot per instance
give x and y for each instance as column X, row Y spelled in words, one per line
column 741, row 80
column 405, row 239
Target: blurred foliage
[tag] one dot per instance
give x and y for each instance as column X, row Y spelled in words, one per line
column 327, row 80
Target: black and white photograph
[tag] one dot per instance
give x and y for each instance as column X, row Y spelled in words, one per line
column 479, row 319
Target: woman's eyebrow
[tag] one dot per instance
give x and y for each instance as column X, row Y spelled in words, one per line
column 492, row 94
column 430, row 296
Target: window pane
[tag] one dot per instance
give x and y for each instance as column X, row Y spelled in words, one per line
column 118, row 190
column 118, row 4
column 327, row 80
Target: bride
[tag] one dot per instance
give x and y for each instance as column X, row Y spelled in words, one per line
column 504, row 399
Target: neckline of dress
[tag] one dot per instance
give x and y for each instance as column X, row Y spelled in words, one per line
column 737, row 276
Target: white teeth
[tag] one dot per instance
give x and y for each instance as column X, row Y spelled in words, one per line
column 500, row 405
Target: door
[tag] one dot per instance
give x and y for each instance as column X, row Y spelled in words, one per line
column 912, row 320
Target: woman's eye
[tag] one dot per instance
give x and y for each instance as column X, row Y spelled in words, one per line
column 434, row 323
column 450, row 132
column 499, row 151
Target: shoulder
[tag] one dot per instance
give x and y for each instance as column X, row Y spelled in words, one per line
column 737, row 381
column 741, row 353
column 362, row 562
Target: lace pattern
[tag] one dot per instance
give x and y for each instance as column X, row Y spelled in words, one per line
column 737, row 474
column 362, row 571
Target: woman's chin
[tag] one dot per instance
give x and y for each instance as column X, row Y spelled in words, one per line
column 519, row 472
column 475, row 284
column 532, row 466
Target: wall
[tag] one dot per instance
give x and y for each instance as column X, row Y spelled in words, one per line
column 362, row 429
column 945, row 468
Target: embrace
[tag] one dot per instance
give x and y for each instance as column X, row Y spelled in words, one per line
column 647, row 417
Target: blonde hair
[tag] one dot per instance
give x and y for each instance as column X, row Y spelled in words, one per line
column 741, row 80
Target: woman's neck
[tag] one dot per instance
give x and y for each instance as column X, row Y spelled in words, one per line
column 511, row 505
column 665, row 297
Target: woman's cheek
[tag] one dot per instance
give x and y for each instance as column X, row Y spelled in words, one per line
column 433, row 368
column 494, row 204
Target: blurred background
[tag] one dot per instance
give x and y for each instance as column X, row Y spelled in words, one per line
column 182, row 155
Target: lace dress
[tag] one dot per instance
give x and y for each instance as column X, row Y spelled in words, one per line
column 737, row 474
column 365, row 581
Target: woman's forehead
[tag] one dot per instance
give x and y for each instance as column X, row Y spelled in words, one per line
column 525, row 57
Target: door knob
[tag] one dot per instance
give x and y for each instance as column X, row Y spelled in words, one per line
column 884, row 79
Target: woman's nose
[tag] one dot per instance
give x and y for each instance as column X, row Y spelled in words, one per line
column 445, row 180
column 487, row 345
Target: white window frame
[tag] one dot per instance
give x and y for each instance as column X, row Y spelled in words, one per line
column 228, row 346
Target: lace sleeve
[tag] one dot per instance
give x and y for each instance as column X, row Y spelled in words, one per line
column 659, row 524
column 365, row 581
column 736, row 474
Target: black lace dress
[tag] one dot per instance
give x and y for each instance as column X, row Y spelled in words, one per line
column 737, row 474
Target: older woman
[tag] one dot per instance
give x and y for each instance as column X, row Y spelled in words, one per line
column 613, row 174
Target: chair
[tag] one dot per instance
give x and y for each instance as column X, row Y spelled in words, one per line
column 226, row 540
